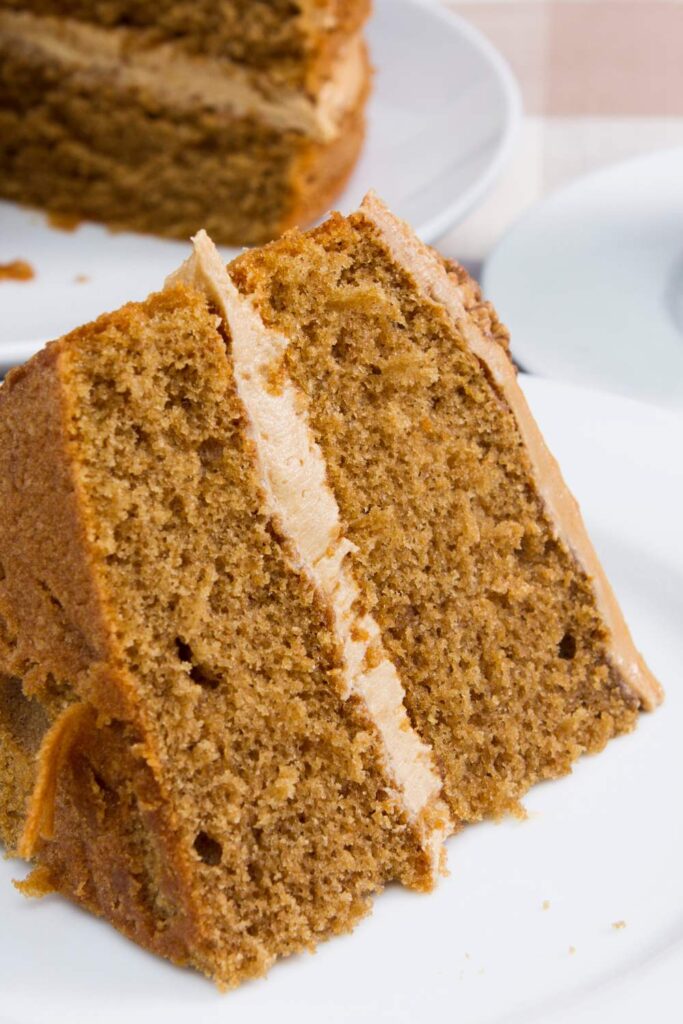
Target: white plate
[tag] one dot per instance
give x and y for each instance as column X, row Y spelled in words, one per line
column 602, row 846
column 591, row 281
column 441, row 121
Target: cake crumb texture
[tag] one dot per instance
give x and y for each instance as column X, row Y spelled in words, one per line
column 492, row 624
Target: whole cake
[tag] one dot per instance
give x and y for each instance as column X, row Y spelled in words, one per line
column 291, row 589
column 246, row 118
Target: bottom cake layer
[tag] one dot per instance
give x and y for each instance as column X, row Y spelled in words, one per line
column 198, row 772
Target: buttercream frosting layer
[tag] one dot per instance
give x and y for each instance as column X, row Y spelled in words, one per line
column 181, row 80
column 430, row 276
column 299, row 500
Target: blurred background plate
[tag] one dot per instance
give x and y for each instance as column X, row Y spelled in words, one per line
column 590, row 281
column 441, row 123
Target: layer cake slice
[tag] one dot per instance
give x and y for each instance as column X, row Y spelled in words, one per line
column 291, row 588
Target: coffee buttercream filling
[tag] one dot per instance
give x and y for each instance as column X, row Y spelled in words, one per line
column 305, row 512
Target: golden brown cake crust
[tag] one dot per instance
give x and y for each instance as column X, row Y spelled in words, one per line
column 39, row 501
column 100, row 828
column 51, row 643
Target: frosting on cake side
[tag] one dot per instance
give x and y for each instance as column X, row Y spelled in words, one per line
column 434, row 282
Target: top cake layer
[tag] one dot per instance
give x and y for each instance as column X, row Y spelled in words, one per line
column 510, row 646
column 436, row 284
column 299, row 500
column 295, row 43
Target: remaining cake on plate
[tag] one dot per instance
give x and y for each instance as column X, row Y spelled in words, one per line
column 291, row 589
column 246, row 118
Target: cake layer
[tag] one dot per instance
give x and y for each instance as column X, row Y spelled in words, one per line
column 139, row 152
column 293, row 44
column 491, row 604
column 168, row 75
column 213, row 786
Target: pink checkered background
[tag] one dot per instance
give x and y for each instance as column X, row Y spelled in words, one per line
column 601, row 81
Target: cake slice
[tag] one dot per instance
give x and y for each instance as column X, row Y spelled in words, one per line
column 291, row 588
column 201, row 738
column 244, row 118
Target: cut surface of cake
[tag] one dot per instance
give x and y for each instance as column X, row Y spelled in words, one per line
column 225, row 770
column 291, row 589
column 476, row 563
column 242, row 118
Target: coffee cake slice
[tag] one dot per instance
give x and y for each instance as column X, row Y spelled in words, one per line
column 291, row 588
column 165, row 117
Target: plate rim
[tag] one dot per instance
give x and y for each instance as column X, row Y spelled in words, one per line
column 531, row 359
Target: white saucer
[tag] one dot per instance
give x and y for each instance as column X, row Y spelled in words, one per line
column 590, row 282
column 441, row 122
column 603, row 846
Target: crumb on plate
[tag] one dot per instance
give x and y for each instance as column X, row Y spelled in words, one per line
column 16, row 270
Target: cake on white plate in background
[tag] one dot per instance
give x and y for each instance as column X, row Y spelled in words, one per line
column 245, row 118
